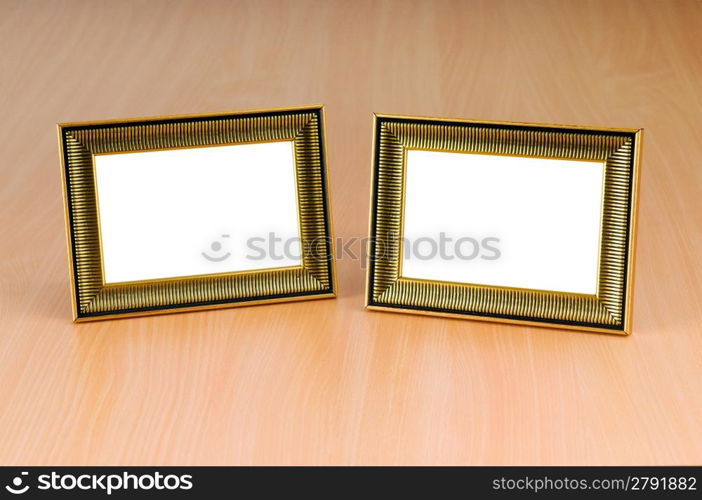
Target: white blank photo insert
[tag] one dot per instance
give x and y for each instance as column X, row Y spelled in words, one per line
column 503, row 221
column 196, row 211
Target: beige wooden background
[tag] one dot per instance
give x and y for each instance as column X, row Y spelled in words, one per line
column 326, row 382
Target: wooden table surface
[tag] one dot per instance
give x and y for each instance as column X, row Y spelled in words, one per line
column 326, row 382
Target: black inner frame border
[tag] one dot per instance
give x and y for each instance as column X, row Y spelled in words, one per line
column 536, row 128
column 325, row 207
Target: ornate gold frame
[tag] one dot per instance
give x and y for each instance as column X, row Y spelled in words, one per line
column 93, row 300
column 608, row 311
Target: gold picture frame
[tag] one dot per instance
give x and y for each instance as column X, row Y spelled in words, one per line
column 608, row 310
column 94, row 299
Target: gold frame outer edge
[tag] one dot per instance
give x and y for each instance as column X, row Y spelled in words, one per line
column 624, row 254
column 315, row 279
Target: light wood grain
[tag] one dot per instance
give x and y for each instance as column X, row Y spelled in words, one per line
column 326, row 382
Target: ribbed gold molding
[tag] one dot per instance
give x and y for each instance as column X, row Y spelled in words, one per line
column 387, row 289
column 80, row 142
